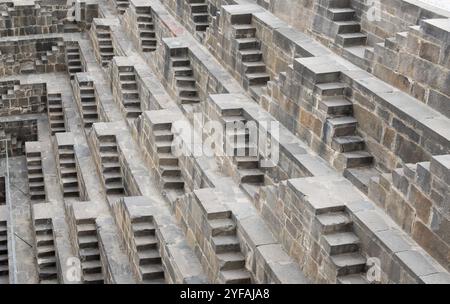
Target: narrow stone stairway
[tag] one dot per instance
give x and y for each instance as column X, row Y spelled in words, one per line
column 169, row 168
column 4, row 264
column 150, row 263
column 146, row 29
column 109, row 157
column 227, row 249
column 342, row 244
column 55, row 113
column 199, row 14
column 130, row 94
column 88, row 103
column 35, row 175
column 184, row 79
column 73, row 59
column 68, row 171
column 91, row 265
column 45, row 252
column 251, row 56
column 105, row 45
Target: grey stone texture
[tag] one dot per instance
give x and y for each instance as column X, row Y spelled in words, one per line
column 106, row 119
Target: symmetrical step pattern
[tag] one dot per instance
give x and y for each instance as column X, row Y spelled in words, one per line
column 150, row 263
column 111, row 172
column 342, row 245
column 146, row 29
column 348, row 28
column 227, row 249
column 68, row 171
column 184, row 79
column 245, row 153
column 89, row 110
column 130, row 93
column 4, row 264
column 251, row 56
column 89, row 252
column 199, row 14
column 55, row 113
column 73, row 60
column 169, row 168
column 341, row 126
column 45, row 251
column 36, row 183
column 105, row 46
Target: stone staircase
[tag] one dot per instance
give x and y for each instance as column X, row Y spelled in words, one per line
column 148, row 257
column 89, row 111
column 184, row 78
column 340, row 127
column 146, row 29
column 73, row 59
column 130, row 95
column 45, row 251
column 4, row 264
column 89, row 252
column 348, row 30
column 168, row 169
column 68, row 171
column 199, row 14
column 111, row 171
column 105, row 46
column 251, row 57
column 342, row 244
column 35, row 175
column 245, row 153
column 227, row 249
column 122, row 5
column 55, row 113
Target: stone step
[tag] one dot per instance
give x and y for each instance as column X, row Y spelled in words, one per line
column 201, row 26
column 352, row 279
column 183, row 71
column 172, row 182
column 348, row 143
column 167, row 159
column 360, row 177
column 351, row 39
column 254, row 67
column 45, row 251
column 224, row 243
column 48, row 273
column 244, row 31
column 349, row 263
column 341, row 14
column 44, row 240
column 49, row 261
column 200, row 17
column 143, row 229
column 224, row 226
column 199, row 8
column 93, row 278
column 163, row 135
column 247, row 162
column 90, row 254
column 341, row 242
column 88, row 241
column 247, row 43
column 251, row 55
column 150, row 256
column 152, row 271
column 254, row 176
column 334, row 222
column 145, row 242
column 182, row 81
column 348, row 27
column 341, row 126
column 331, row 89
column 335, row 3
column 91, row 266
column 86, row 229
column 170, row 171
column 336, row 106
column 257, row 78
column 357, row 159
column 180, row 61
column 237, row 276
